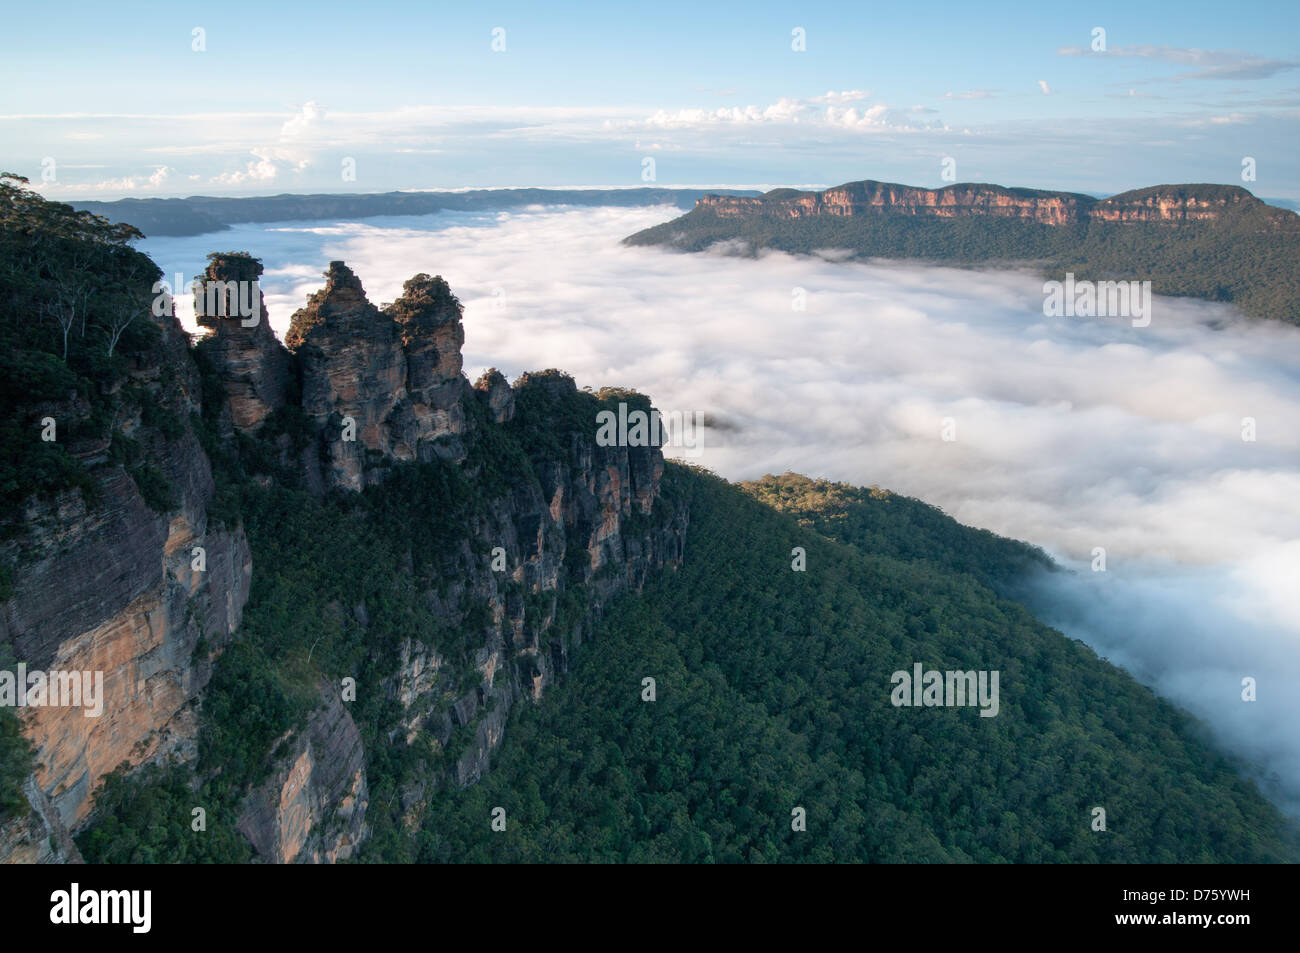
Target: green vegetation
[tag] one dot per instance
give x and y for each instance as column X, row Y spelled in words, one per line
column 158, row 492
column 887, row 524
column 341, row 583
column 75, row 307
column 1245, row 258
column 15, row 766
column 773, row 692
column 148, row 817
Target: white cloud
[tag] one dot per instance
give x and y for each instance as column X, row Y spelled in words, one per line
column 784, row 110
column 832, row 98
column 260, row 169
column 154, row 181
column 833, row 110
column 300, row 124
column 565, row 146
column 1042, row 84
column 1209, row 64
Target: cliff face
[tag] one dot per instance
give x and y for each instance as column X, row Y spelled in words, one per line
column 1178, row 204
column 589, row 520
column 877, row 198
column 1164, row 204
column 114, row 586
column 123, row 587
column 39, row 838
column 312, row 809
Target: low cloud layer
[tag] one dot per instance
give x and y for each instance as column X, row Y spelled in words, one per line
column 1071, row 433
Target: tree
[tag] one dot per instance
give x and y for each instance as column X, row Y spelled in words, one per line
column 126, row 303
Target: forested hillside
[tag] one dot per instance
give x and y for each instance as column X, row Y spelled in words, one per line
column 1249, row 256
column 773, row 692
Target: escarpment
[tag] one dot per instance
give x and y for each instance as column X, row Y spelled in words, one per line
column 1167, row 204
column 312, row 808
column 1215, row 242
column 883, row 198
column 127, row 576
column 358, row 413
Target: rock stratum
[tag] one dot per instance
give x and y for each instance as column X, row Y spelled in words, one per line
column 1215, row 242
column 107, row 578
column 1168, row 204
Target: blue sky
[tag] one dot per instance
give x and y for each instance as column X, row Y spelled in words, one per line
column 282, row 96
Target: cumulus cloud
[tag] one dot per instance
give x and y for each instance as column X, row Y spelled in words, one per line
column 783, row 110
column 299, row 138
column 1071, row 433
column 853, row 135
column 260, row 169
column 299, row 125
column 154, row 181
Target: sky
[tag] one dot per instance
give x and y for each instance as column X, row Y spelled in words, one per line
column 1071, row 433
column 172, row 99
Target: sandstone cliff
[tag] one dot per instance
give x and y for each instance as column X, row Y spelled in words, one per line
column 312, row 809
column 380, row 386
column 124, row 586
column 357, row 393
column 256, row 369
column 1171, row 204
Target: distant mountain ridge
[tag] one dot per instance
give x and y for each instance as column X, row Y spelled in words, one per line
column 1217, row 242
column 1161, row 203
column 200, row 214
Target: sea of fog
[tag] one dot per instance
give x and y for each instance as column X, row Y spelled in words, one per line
column 1072, row 433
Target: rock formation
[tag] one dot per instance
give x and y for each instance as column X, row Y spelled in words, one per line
column 493, row 389
column 1170, row 204
column 121, row 588
column 312, row 809
column 387, row 382
column 254, row 366
column 115, row 587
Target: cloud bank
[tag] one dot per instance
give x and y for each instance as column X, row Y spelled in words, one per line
column 1072, row 433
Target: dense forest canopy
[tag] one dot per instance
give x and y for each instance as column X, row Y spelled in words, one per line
column 75, row 302
column 773, row 694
